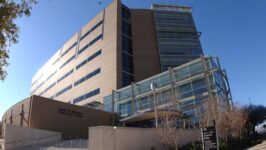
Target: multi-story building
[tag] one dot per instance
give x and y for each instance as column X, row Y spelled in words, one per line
column 117, row 47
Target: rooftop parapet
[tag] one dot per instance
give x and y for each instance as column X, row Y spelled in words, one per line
column 171, row 8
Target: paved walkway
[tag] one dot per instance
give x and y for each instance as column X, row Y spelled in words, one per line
column 261, row 146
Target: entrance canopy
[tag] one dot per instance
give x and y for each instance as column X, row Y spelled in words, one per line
column 142, row 116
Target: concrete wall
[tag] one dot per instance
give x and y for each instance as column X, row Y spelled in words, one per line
column 1, row 144
column 110, row 138
column 43, row 113
column 16, row 136
column 14, row 115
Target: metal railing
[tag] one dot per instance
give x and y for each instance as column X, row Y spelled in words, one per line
column 74, row 143
column 48, row 142
column 26, row 143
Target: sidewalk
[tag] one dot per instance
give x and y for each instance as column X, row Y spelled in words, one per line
column 261, row 146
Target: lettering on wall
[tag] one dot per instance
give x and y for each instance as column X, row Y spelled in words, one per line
column 70, row 112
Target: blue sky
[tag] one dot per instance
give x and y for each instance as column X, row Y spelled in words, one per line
column 233, row 30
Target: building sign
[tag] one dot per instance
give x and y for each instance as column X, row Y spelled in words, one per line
column 209, row 138
column 69, row 112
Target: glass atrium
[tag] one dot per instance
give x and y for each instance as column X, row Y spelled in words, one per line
column 185, row 87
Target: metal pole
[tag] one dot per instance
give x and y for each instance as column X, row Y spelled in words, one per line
column 113, row 107
column 153, row 87
column 133, row 106
column 155, row 108
column 173, row 94
column 207, row 82
column 229, row 94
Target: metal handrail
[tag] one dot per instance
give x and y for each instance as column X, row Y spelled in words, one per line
column 32, row 142
column 35, row 139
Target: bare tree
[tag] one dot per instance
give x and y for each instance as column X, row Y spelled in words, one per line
column 233, row 122
column 229, row 121
column 170, row 136
column 167, row 130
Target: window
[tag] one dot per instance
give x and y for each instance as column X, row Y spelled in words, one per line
column 83, row 49
column 144, row 103
column 126, row 28
column 127, row 58
column 184, row 88
column 63, row 90
column 200, row 91
column 127, row 79
column 88, row 76
column 127, row 63
column 125, row 109
column 55, row 61
column 73, row 45
column 92, row 29
column 96, row 39
column 51, row 75
column 68, row 61
column 198, row 83
column 126, row 44
column 38, row 87
column 97, row 25
column 37, row 80
column 80, row 81
column 90, row 43
column 49, row 87
column 81, row 64
column 86, row 96
column 126, row 13
column 88, row 59
column 65, row 75
column 34, row 83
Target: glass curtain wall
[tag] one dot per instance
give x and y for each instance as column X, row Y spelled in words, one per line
column 178, row 39
column 190, row 90
column 127, row 53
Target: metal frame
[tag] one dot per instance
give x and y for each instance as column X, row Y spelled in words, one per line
column 172, row 86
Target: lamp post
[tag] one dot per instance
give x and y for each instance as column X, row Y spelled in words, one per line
column 154, row 89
